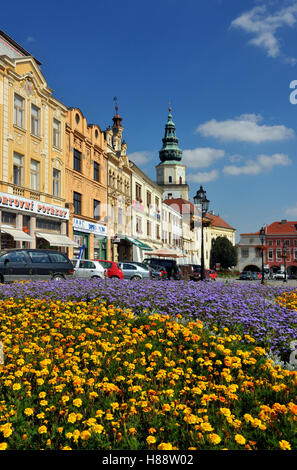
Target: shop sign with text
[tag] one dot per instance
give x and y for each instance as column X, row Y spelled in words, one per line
column 10, row 201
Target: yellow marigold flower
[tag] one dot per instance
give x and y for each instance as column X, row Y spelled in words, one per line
column 214, row 438
column 85, row 435
column 109, row 416
column 66, row 448
column 151, row 440
column 3, row 445
column 77, row 402
column 29, row 411
column 6, row 429
column 16, row 386
column 72, row 418
column 132, row 431
column 240, row 439
column 225, row 411
column 42, row 395
column 284, row 445
column 152, row 430
column 42, row 430
column 165, row 446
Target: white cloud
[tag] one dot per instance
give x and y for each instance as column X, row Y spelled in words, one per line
column 264, row 26
column 244, row 128
column 262, row 164
column 141, row 158
column 202, row 157
column 291, row 211
column 30, row 39
column 203, row 177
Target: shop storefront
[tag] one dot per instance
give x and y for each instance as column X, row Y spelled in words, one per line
column 92, row 236
column 27, row 223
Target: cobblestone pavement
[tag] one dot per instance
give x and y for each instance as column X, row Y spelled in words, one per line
column 277, row 283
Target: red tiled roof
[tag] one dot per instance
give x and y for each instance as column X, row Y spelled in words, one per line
column 216, row 221
column 186, row 207
column 282, row 228
column 182, row 205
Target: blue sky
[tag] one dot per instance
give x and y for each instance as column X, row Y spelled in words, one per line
column 225, row 65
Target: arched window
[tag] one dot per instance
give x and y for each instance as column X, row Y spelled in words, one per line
column 170, row 179
column 180, row 180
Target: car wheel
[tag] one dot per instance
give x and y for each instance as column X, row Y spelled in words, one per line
column 96, row 277
column 135, row 277
column 59, row 277
column 114, row 277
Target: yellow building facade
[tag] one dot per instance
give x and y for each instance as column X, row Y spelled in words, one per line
column 32, row 167
column 86, row 187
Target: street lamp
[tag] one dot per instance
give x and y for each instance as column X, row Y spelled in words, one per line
column 262, row 239
column 284, row 255
column 200, row 199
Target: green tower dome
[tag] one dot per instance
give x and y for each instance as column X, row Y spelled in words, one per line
column 170, row 151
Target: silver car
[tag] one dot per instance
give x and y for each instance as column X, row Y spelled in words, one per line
column 134, row 271
column 85, row 268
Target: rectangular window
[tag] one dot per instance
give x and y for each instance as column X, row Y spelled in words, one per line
column 34, row 174
column 77, row 202
column 270, row 243
column 278, row 242
column 76, row 160
column 19, row 111
column 18, row 169
column 157, row 203
column 56, row 182
column 244, row 252
column 138, row 192
column 96, row 171
column 96, row 209
column 148, row 198
column 148, row 228
column 270, row 255
column 56, row 133
column 158, row 231
column 295, row 255
column 287, row 242
column 138, row 224
column 35, row 120
column 278, row 255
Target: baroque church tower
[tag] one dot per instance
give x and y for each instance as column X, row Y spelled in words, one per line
column 171, row 173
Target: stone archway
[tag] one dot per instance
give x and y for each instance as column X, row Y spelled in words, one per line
column 252, row 267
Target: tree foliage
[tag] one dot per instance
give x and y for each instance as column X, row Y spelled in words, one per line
column 223, row 252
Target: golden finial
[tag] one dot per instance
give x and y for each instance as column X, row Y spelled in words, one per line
column 169, row 109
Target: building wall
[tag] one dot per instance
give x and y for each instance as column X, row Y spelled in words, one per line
column 31, row 144
column 146, row 198
column 88, row 227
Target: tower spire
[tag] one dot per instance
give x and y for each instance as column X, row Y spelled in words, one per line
column 170, row 150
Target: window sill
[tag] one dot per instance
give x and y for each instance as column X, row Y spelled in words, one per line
column 20, row 128
column 38, row 137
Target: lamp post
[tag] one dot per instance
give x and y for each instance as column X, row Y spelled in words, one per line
column 262, row 239
column 284, row 255
column 200, row 199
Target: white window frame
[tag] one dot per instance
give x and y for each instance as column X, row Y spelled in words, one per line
column 19, row 111
column 35, row 120
column 57, row 133
column 35, row 175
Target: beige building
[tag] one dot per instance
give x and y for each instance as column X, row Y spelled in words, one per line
column 119, row 191
column 86, row 186
column 146, row 214
column 32, row 146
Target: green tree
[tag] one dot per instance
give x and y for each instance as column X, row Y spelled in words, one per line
column 223, row 252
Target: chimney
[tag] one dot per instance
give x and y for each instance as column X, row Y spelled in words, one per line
column 283, row 221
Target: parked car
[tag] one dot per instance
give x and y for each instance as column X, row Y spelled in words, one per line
column 212, row 274
column 158, row 272
column 112, row 269
column 195, row 275
column 246, row 275
column 279, row 275
column 256, row 275
column 31, row 264
column 87, row 268
column 172, row 268
column 293, row 276
column 134, row 271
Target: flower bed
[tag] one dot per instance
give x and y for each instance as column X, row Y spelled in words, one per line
column 92, row 376
column 246, row 309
